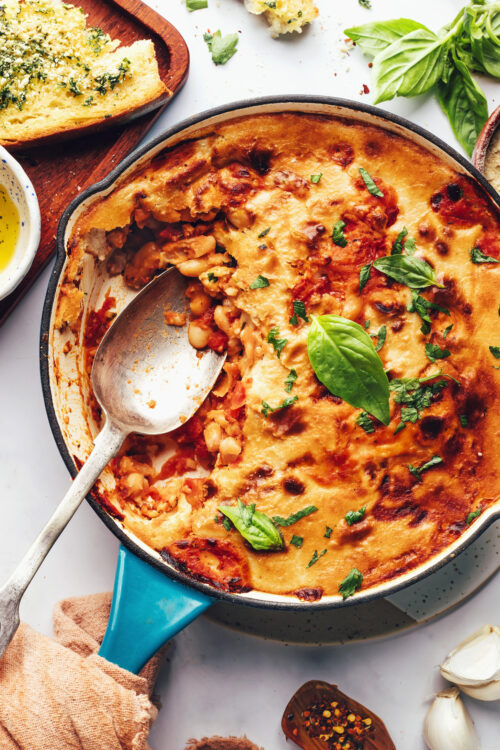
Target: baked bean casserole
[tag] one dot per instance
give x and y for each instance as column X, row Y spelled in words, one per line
column 308, row 239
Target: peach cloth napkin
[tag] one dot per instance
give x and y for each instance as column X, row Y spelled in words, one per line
column 60, row 695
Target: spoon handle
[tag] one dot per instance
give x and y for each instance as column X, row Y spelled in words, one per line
column 106, row 446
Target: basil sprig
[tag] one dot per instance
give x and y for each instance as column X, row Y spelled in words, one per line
column 410, row 59
column 407, row 269
column 254, row 526
column 344, row 359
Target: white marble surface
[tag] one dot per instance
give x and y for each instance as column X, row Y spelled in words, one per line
column 216, row 680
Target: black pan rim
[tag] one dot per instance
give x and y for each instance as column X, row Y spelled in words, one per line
column 293, row 605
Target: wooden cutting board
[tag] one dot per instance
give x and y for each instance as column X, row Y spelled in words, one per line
column 60, row 171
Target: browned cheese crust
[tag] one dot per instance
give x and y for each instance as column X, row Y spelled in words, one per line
column 238, row 202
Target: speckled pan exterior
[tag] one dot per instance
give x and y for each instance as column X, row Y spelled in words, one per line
column 57, row 395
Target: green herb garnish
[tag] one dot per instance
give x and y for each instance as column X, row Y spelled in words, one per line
column 264, row 233
column 397, row 245
column 380, row 336
column 221, row 47
column 338, row 233
column 355, row 516
column 370, row 184
column 422, row 307
column 267, row 408
column 414, row 272
column 192, row 5
column 254, row 526
column 277, row 343
column 297, row 541
column 328, row 532
column 344, row 359
column 416, row 471
column 315, row 557
column 315, row 178
column 472, row 515
column 477, row 256
column 364, row 275
column 464, row 421
column 434, row 351
column 260, row 282
column 299, row 311
column 495, row 350
column 447, row 330
column 211, row 276
column 351, row 583
column 414, row 396
column 365, row 421
column 290, row 380
column 294, row 517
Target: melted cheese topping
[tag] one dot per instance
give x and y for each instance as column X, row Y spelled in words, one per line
column 237, row 203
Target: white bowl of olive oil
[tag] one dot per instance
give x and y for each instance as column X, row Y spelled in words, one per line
column 19, row 223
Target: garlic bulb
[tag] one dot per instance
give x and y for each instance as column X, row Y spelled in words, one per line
column 448, row 725
column 475, row 664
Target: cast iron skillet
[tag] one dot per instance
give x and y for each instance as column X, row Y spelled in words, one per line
column 152, row 600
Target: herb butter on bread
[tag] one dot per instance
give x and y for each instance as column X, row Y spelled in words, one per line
column 59, row 76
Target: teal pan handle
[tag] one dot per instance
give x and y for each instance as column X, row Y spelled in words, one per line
column 148, row 608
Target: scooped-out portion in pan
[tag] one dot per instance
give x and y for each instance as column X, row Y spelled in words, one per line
column 278, row 219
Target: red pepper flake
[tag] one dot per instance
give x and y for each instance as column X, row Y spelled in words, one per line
column 365, row 89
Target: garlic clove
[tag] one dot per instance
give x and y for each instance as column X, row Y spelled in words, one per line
column 448, row 725
column 476, row 661
column 488, row 692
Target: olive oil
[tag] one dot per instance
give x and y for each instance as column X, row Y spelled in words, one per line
column 9, row 228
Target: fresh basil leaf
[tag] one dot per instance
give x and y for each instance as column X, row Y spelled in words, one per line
column 338, row 233
column 260, row 282
column 257, row 528
column 365, row 421
column 351, row 583
column 381, row 336
column 266, row 408
column 477, row 256
column 299, row 311
column 297, row 541
column 196, row 5
column 483, row 30
column 328, row 532
column 416, row 471
column 495, row 350
column 434, row 351
column 221, row 47
column 422, row 307
column 277, row 343
column 410, row 65
column 447, row 329
column 472, row 515
column 365, row 4
column 397, row 245
column 465, row 105
column 366, row 324
column 374, row 37
column 414, row 272
column 410, row 245
column 315, row 178
column 414, row 396
column 315, row 557
column 294, row 517
column 355, row 516
column 344, row 359
column 290, row 380
column 364, row 275
column 370, row 183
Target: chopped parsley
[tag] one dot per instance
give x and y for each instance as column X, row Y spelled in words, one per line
column 267, row 408
column 277, row 343
column 364, row 275
column 397, row 245
column 338, row 233
column 434, row 351
column 264, row 232
column 422, row 307
column 351, row 583
column 495, row 350
column 328, row 532
column 414, row 396
column 299, row 311
column 297, row 541
column 290, row 380
column 477, row 256
column 315, row 178
column 294, row 517
column 221, row 47
column 315, row 557
column 447, row 330
column 464, row 421
column 260, row 282
column 355, row 516
column 417, row 471
column 212, row 276
column 370, row 183
column 380, row 336
column 227, row 524
column 365, row 421
column 196, row 5
column 108, row 81
column 410, row 245
column 472, row 515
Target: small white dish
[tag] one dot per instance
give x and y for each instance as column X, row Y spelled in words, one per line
column 16, row 182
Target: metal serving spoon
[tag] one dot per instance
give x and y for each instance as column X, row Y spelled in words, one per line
column 148, row 379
